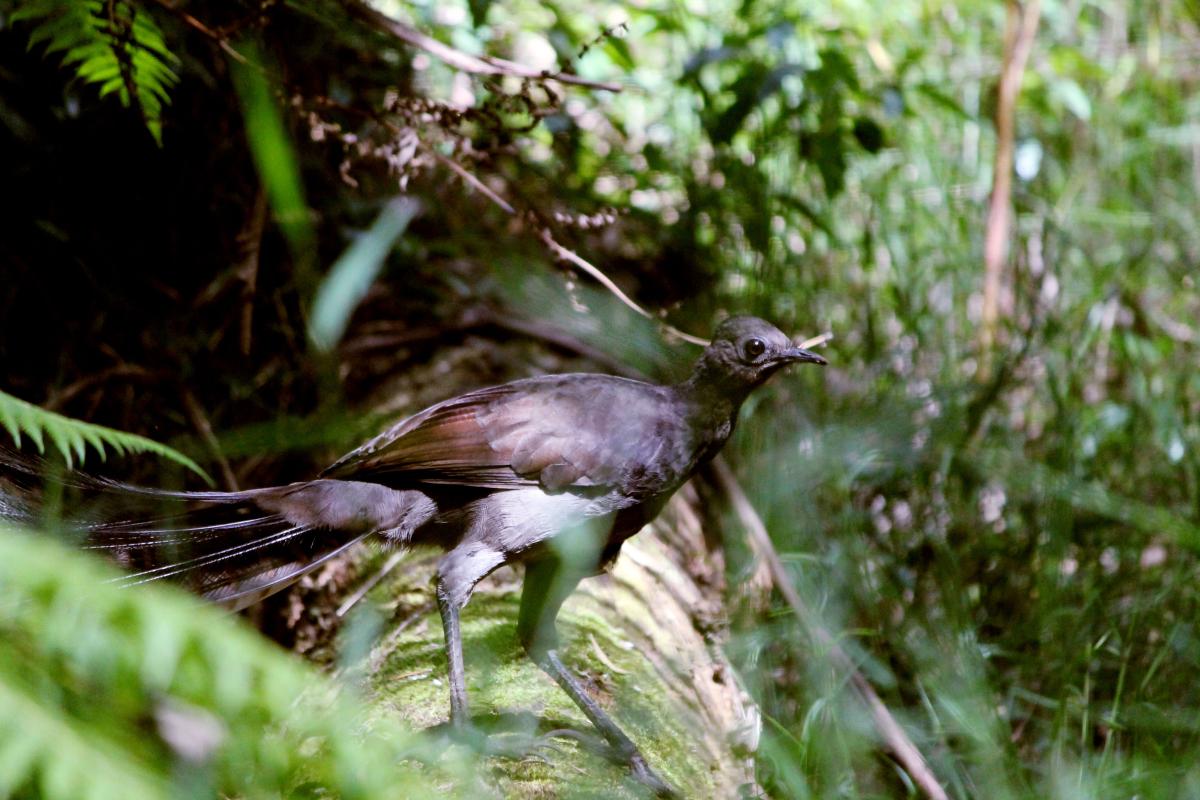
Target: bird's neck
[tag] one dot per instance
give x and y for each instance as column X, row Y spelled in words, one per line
column 713, row 397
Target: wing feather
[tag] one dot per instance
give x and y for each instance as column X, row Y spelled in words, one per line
column 557, row 431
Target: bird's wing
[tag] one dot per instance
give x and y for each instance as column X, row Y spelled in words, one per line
column 556, row 432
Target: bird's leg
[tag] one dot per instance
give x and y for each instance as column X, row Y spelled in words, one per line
column 458, row 573
column 547, row 584
column 448, row 605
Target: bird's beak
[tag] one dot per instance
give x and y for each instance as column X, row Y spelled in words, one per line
column 800, row 356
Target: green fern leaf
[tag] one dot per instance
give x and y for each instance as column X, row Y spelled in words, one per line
column 71, row 437
column 112, row 51
column 94, row 679
column 80, row 758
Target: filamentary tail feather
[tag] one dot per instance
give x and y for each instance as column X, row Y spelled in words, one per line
column 235, row 548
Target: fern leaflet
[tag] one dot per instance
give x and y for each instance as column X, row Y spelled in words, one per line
column 124, row 694
column 71, row 436
column 111, row 44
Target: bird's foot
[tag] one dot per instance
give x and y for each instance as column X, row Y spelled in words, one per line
column 508, row 744
column 633, row 759
column 511, row 740
column 518, row 746
column 646, row 776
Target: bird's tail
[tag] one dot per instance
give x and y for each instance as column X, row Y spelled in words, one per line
column 235, row 548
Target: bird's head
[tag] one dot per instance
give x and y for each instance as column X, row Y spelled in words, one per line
column 745, row 351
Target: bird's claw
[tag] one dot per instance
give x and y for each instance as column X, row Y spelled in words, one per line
column 523, row 746
column 507, row 745
column 518, row 746
column 646, row 776
column 635, row 761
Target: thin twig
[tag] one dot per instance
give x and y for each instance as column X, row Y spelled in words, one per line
column 460, row 60
column 1021, row 26
column 889, row 729
column 545, row 235
column 620, row 29
column 564, row 253
column 603, row 658
column 471, row 179
column 249, row 238
column 559, row 250
column 1174, row 329
column 58, row 399
column 204, row 428
column 816, row 341
column 361, row 592
column 479, row 317
column 572, row 257
column 196, row 24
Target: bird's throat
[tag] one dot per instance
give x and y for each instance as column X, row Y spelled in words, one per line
column 712, row 402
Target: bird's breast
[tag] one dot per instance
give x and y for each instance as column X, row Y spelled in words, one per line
column 516, row 521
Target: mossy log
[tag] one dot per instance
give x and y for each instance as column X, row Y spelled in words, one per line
column 646, row 638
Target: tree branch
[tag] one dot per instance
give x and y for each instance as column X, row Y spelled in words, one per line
column 565, row 253
column 1022, row 22
column 460, row 60
column 571, row 257
column 208, row 32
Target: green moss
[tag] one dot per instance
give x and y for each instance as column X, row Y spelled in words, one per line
column 409, row 680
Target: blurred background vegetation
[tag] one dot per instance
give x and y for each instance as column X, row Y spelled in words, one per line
column 998, row 520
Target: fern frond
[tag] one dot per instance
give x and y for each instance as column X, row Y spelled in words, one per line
column 83, row 756
column 71, row 437
column 116, row 693
column 110, row 44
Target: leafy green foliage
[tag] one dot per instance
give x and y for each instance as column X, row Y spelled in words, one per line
column 111, row 44
column 148, row 693
column 1012, row 559
column 1012, row 556
column 71, row 437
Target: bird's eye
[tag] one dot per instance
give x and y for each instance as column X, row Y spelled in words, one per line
column 753, row 348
